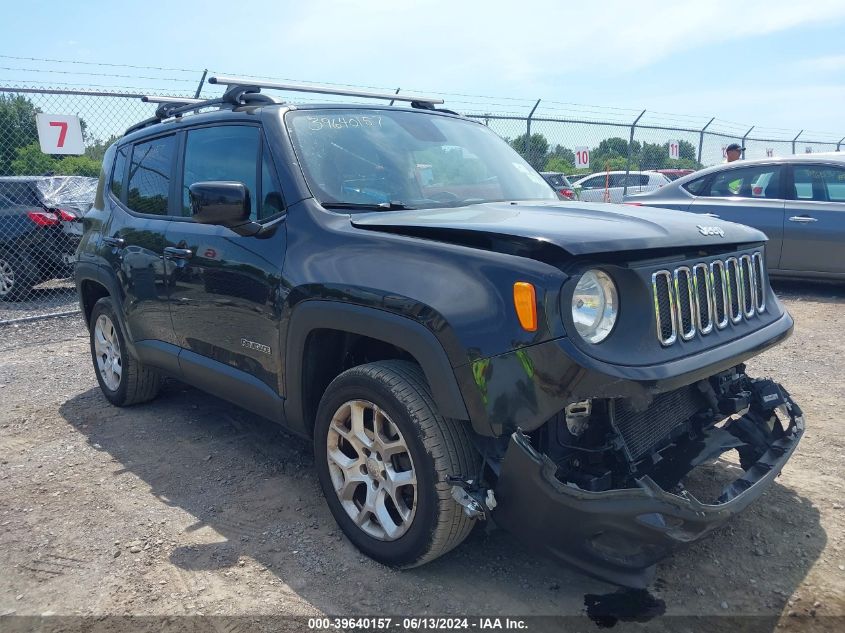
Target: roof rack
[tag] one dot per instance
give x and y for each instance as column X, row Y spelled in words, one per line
column 235, row 96
column 242, row 92
column 236, row 81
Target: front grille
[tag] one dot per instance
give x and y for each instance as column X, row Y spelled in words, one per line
column 758, row 279
column 697, row 299
column 749, row 286
column 734, row 288
column 664, row 306
column 642, row 431
column 686, row 302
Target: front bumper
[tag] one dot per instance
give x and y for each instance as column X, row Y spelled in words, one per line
column 619, row 535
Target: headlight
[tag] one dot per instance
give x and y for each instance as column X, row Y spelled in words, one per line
column 595, row 305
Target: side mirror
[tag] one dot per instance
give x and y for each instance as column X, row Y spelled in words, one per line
column 225, row 203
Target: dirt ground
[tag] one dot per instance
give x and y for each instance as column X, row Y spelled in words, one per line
column 188, row 505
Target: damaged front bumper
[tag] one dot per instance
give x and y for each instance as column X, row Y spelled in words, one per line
column 618, row 535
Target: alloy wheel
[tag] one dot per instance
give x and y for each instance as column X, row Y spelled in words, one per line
column 107, row 350
column 372, row 470
column 7, row 278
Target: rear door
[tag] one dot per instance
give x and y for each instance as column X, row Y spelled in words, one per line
column 751, row 195
column 140, row 193
column 814, row 231
column 224, row 285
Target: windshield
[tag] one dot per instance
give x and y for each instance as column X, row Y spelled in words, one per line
column 393, row 157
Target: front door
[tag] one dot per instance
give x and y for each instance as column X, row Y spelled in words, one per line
column 224, row 286
column 814, row 231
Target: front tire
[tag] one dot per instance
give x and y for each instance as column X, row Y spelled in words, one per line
column 383, row 455
column 123, row 380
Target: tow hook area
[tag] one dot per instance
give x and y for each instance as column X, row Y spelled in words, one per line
column 620, row 534
column 477, row 501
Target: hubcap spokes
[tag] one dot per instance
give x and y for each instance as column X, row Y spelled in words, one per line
column 372, row 470
column 107, row 351
column 7, row 278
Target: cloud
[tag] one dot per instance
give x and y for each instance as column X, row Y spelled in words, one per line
column 826, row 64
column 439, row 38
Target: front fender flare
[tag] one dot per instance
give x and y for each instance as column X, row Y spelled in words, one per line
column 399, row 331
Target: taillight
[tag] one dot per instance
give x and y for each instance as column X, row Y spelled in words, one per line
column 43, row 218
column 567, row 193
column 757, row 190
column 65, row 215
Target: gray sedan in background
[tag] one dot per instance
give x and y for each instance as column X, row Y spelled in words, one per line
column 797, row 201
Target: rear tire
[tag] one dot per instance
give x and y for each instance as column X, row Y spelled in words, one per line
column 123, row 380
column 17, row 276
column 400, row 437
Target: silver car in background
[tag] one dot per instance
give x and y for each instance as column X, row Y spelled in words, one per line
column 798, row 201
column 610, row 186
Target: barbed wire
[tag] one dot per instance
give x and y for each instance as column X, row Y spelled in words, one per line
column 475, row 103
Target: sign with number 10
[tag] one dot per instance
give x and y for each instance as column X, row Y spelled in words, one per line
column 582, row 157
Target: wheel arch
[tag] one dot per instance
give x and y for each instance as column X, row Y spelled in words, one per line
column 413, row 339
column 92, row 284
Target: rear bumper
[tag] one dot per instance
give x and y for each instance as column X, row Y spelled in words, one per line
column 619, row 535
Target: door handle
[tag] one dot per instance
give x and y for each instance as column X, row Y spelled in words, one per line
column 803, row 219
column 171, row 252
column 710, row 215
column 116, row 242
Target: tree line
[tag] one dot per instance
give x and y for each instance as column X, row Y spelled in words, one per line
column 611, row 154
column 20, row 153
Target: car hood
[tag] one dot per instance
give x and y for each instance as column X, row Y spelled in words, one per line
column 577, row 228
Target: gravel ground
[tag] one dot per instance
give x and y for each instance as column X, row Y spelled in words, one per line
column 189, row 505
column 52, row 297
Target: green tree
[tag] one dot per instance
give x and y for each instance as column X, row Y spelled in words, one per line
column 654, row 156
column 563, row 153
column 559, row 164
column 17, row 129
column 534, row 149
column 31, row 161
column 78, row 166
column 96, row 149
column 614, row 150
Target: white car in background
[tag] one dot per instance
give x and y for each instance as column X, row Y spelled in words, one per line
column 610, row 186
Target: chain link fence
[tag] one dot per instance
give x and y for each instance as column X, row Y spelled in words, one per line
column 43, row 197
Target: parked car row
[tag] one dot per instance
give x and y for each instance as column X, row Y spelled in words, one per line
column 797, row 201
column 40, row 228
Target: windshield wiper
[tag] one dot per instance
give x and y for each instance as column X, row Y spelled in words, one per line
column 375, row 206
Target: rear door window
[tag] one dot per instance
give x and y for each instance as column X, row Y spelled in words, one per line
column 820, row 183
column 148, row 189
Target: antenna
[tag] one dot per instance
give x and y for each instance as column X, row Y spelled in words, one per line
column 235, row 81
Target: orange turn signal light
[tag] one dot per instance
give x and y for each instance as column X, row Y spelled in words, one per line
column 525, row 302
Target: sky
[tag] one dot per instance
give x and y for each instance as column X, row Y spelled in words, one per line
column 774, row 64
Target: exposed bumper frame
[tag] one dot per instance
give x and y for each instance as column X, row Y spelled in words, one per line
column 619, row 535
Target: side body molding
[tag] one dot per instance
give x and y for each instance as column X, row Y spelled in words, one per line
column 396, row 330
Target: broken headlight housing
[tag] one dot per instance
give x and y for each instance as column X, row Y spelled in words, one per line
column 595, row 306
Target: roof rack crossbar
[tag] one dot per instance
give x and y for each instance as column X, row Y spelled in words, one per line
column 180, row 100
column 170, row 107
column 235, row 81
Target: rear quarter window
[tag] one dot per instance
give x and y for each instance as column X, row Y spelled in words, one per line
column 697, row 187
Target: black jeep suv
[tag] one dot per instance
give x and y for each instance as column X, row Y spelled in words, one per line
column 399, row 285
